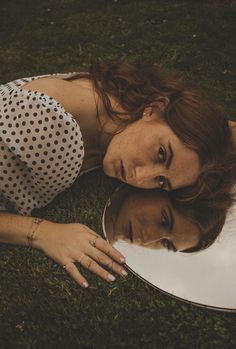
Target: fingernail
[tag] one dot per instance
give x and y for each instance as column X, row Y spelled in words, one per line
column 85, row 284
column 122, row 259
column 124, row 272
column 111, row 277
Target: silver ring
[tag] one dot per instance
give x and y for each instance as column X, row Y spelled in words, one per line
column 65, row 265
column 94, row 241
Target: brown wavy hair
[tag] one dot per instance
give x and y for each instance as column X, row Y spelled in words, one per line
column 200, row 124
column 207, row 219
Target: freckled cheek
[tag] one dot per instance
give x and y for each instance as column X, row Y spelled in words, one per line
column 136, row 141
column 123, row 145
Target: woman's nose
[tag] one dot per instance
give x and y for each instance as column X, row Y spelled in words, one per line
column 144, row 174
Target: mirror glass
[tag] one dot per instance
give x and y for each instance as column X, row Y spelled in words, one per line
column 138, row 223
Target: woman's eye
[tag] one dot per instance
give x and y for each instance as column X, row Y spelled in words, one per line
column 166, row 244
column 161, row 155
column 161, row 181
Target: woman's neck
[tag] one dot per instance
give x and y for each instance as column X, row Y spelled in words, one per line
column 96, row 142
column 96, row 126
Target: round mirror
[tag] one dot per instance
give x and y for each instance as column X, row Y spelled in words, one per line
column 139, row 224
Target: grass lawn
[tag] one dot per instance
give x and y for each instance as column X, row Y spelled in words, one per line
column 40, row 306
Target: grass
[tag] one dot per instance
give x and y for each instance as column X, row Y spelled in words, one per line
column 41, row 307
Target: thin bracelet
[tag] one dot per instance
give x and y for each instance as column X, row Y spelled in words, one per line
column 30, row 236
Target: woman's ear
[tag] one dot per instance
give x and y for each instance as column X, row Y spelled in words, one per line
column 161, row 103
column 157, row 108
column 147, row 112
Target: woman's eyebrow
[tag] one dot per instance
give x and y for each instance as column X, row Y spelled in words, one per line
column 170, row 157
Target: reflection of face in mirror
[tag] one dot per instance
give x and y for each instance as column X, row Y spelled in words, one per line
column 140, row 221
column 148, row 218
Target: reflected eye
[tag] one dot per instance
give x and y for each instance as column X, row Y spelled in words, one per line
column 162, row 154
column 166, row 244
column 161, row 181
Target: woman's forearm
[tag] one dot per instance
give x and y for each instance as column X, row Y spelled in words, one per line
column 16, row 229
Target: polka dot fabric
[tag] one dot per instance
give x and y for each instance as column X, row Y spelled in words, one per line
column 41, row 148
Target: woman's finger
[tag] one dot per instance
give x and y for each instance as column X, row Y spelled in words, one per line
column 75, row 274
column 97, row 241
column 103, row 259
column 104, row 246
column 91, row 265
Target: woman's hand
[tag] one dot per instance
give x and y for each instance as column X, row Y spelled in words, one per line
column 70, row 243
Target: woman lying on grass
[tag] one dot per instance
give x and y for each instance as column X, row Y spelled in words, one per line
column 146, row 129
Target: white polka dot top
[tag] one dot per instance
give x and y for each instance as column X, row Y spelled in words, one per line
column 41, row 147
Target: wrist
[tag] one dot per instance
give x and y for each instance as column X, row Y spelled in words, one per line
column 32, row 231
column 41, row 234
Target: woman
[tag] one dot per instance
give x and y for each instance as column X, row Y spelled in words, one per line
column 155, row 219
column 148, row 129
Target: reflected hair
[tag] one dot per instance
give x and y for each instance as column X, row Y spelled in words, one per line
column 208, row 220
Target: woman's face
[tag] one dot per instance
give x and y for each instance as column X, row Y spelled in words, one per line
column 148, row 219
column 147, row 154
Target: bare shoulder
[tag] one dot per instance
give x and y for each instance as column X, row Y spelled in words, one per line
column 61, row 88
column 75, row 97
column 46, row 85
column 54, row 82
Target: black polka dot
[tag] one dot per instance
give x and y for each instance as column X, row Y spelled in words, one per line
column 34, row 156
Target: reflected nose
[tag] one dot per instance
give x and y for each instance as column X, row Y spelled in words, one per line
column 144, row 174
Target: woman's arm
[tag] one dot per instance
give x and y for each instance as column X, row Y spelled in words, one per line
column 65, row 243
